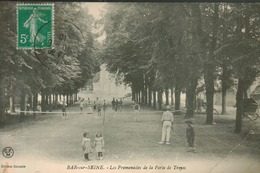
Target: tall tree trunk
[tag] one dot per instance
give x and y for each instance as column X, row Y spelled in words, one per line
column 13, row 108
column 172, row 100
column 2, row 100
column 167, row 96
column 210, row 67
column 50, row 103
column 224, row 89
column 177, row 98
column 30, row 102
column 154, row 99
column 133, row 93
column 239, row 105
column 145, row 92
column 142, row 95
column 160, row 99
column 150, row 95
column 191, row 97
column 139, row 96
column 225, row 70
column 209, row 83
column 11, row 104
column 35, row 104
column 67, row 97
column 47, row 100
column 43, row 101
column 22, row 105
column 56, row 101
column 71, row 100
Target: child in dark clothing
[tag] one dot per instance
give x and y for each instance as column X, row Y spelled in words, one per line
column 190, row 135
column 99, row 110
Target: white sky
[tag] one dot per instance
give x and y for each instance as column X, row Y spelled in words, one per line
column 94, row 9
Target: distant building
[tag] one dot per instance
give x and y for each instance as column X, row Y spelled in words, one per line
column 106, row 87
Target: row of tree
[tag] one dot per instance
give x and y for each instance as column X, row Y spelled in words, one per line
column 162, row 47
column 51, row 73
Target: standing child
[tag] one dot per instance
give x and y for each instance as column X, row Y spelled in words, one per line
column 190, row 135
column 81, row 104
column 99, row 145
column 63, row 108
column 99, row 110
column 86, row 146
column 137, row 108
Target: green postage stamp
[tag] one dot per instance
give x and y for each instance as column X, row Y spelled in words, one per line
column 35, row 24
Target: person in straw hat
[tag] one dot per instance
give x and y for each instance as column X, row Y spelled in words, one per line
column 167, row 123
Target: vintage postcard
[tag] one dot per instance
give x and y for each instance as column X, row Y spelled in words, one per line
column 129, row 87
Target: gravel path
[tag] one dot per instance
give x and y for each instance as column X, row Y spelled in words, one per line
column 52, row 143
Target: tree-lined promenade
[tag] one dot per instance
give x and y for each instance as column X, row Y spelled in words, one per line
column 168, row 48
column 155, row 48
column 53, row 74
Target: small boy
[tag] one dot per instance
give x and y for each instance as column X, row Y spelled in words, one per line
column 190, row 135
column 63, row 108
column 137, row 108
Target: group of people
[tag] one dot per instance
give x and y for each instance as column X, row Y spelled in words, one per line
column 88, row 145
column 117, row 104
column 167, row 126
column 96, row 106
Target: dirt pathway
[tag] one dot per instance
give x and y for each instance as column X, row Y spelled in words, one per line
column 55, row 140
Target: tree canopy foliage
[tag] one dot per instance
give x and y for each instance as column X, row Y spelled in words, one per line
column 161, row 46
column 62, row 70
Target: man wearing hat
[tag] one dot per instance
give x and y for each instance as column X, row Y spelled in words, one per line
column 190, row 135
column 167, row 122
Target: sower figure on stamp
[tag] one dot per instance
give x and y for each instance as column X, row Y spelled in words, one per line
column 33, row 24
column 190, row 135
column 167, row 123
